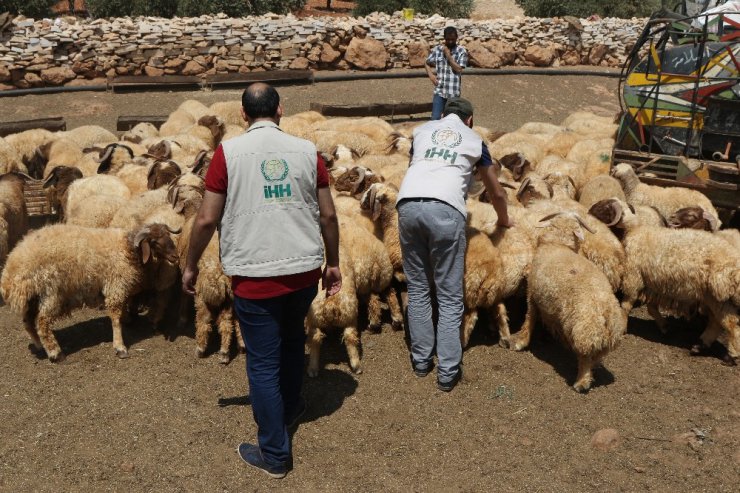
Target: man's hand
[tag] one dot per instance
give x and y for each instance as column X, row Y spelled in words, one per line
column 331, row 280
column 189, row 276
column 446, row 51
column 433, row 78
column 508, row 224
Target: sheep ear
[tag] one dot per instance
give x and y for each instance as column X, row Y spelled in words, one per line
column 151, row 178
column 377, row 208
column 523, row 188
column 579, row 234
column 550, row 189
column 52, row 179
column 146, row 252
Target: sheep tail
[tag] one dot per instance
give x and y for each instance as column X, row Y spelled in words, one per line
column 724, row 284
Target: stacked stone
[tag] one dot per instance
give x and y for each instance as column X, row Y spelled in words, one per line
column 71, row 51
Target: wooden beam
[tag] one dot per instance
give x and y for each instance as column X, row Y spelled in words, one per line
column 371, row 109
column 271, row 76
column 126, row 123
column 53, row 124
column 146, row 82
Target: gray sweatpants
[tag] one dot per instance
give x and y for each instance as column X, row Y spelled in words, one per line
column 433, row 242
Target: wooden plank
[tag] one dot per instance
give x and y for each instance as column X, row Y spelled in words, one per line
column 53, row 124
column 164, row 81
column 378, row 109
column 125, row 123
column 271, row 76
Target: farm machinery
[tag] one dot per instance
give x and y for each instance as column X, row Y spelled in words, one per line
column 680, row 98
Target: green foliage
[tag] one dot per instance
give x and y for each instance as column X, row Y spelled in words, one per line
column 159, row 8
column 37, row 9
column 109, row 8
column 276, row 6
column 454, row 9
column 585, row 8
column 364, row 7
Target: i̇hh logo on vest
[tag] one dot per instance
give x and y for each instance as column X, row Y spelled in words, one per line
column 447, row 139
column 275, row 170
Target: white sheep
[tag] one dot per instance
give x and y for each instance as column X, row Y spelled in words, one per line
column 10, row 158
column 572, row 297
column 13, row 220
column 665, row 200
column 59, row 268
column 679, row 271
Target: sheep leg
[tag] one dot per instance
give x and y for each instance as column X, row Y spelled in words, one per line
column 225, row 322
column 724, row 316
column 501, row 316
column 36, row 348
column 659, row 319
column 156, row 312
column 470, row 318
column 585, row 377
column 182, row 316
column 351, row 340
column 116, row 314
column 391, row 297
column 374, row 312
column 203, row 319
column 315, row 336
column 51, row 346
column 521, row 339
column 239, row 337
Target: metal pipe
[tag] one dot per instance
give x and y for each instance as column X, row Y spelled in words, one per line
column 346, row 76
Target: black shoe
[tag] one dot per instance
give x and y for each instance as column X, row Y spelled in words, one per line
column 422, row 372
column 252, row 456
column 448, row 386
column 295, row 417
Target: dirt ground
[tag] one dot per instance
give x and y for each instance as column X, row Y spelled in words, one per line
column 165, row 421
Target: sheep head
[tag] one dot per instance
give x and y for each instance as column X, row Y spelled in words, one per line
column 215, row 125
column 58, row 181
column 201, row 163
column 533, row 189
column 356, row 180
column 38, row 161
column 161, row 174
column 611, row 212
column 185, row 199
column 161, row 150
column 693, row 218
column 153, row 242
column 568, row 222
column 398, row 143
column 517, row 164
column 112, row 157
column 563, row 183
column 494, row 135
column 375, row 198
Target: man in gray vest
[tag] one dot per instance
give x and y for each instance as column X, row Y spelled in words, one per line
column 268, row 194
column 431, row 226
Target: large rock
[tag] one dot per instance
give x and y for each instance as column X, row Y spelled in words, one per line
column 418, row 53
column 174, row 63
column 299, row 63
column 153, row 71
column 491, row 54
column 56, row 76
column 606, row 439
column 4, row 74
column 329, row 54
column 596, row 54
column 367, row 54
column 540, row 56
column 570, row 57
column 193, row 68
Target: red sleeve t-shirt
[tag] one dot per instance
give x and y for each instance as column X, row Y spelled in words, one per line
column 217, row 181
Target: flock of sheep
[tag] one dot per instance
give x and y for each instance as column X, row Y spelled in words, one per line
column 589, row 242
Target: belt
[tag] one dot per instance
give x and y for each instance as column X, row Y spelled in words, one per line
column 422, row 199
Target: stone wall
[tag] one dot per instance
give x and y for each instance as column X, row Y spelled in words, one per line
column 74, row 52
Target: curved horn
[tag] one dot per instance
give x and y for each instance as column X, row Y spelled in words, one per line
column 583, row 224
column 173, row 231
column 25, row 176
column 618, row 211
column 106, row 154
column 523, row 188
column 199, row 163
column 360, row 179
column 551, row 216
column 507, row 185
column 713, row 222
column 141, row 235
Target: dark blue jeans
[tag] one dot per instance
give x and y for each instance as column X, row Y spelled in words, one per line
column 274, row 337
column 438, row 105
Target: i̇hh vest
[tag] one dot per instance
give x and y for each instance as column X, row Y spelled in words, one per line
column 445, row 152
column 270, row 225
